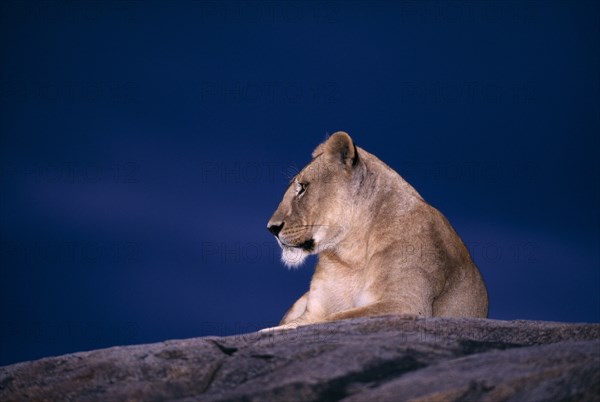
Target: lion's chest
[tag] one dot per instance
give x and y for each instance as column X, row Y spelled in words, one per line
column 364, row 298
column 335, row 291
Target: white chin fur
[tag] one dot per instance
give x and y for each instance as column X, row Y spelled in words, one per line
column 293, row 257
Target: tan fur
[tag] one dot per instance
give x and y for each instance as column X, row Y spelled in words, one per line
column 382, row 249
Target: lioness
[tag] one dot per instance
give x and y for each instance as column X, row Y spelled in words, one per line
column 382, row 249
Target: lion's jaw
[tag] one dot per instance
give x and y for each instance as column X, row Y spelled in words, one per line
column 294, row 256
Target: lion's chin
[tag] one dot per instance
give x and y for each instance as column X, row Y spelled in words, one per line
column 293, row 257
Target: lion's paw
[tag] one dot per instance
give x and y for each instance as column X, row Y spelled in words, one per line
column 283, row 327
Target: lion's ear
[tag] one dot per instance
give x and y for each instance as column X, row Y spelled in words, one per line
column 340, row 148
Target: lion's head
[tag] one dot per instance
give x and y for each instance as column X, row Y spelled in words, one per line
column 318, row 202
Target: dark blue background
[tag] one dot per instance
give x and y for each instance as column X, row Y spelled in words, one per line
column 144, row 146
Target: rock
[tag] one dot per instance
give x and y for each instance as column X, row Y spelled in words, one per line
column 389, row 358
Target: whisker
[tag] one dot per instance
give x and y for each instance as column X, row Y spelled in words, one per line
column 291, row 171
column 316, row 225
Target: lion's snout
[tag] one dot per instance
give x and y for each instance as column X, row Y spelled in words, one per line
column 275, row 228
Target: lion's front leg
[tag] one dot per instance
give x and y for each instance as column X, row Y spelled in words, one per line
column 380, row 309
column 300, row 314
column 290, row 324
column 293, row 317
column 296, row 310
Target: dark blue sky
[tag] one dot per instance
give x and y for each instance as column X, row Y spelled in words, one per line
column 144, row 146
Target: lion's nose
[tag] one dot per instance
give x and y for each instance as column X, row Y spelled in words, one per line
column 275, row 229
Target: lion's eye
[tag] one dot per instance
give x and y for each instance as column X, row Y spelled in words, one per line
column 300, row 188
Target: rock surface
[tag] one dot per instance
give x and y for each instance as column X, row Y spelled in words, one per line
column 387, row 358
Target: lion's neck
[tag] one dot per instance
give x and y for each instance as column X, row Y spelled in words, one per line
column 352, row 251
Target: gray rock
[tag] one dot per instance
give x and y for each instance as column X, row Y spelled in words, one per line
column 389, row 358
